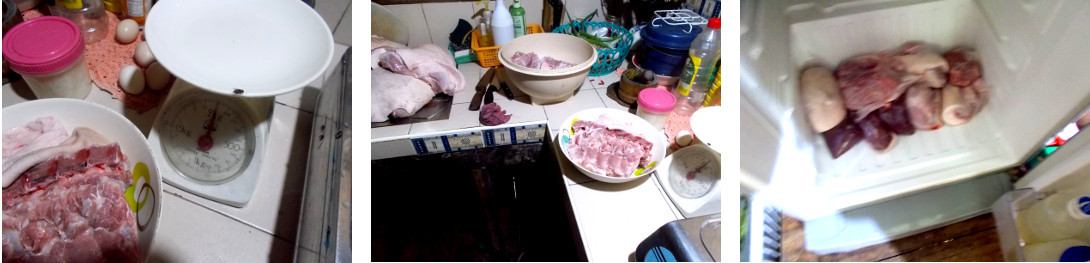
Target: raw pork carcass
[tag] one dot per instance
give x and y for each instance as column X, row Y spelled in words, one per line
column 380, row 46
column 611, row 152
column 842, row 138
column 42, row 132
column 920, row 64
column 72, row 208
column 868, row 82
column 964, row 66
column 429, row 63
column 396, row 95
column 924, row 107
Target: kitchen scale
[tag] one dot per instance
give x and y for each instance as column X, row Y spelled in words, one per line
column 231, row 58
column 691, row 178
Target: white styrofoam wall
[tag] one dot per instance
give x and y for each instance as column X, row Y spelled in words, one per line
column 439, row 19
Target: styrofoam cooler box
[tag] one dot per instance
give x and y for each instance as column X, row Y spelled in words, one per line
column 1026, row 64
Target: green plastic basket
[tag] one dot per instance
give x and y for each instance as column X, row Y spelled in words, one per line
column 608, row 59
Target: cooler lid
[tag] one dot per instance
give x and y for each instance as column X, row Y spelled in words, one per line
column 672, row 37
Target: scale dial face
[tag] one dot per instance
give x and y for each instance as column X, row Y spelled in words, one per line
column 207, row 138
column 693, row 174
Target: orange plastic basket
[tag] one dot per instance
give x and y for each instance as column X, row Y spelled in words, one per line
column 488, row 56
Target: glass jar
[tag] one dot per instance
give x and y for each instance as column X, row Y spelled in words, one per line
column 89, row 15
column 655, row 106
column 48, row 53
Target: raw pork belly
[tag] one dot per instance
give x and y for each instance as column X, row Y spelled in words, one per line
column 397, row 95
column 611, row 152
column 40, row 133
column 71, row 208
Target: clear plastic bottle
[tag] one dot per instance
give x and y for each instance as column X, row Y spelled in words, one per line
column 518, row 17
column 503, row 27
column 89, row 15
column 1060, row 216
column 693, row 84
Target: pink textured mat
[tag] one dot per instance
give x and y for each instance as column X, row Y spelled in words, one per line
column 105, row 59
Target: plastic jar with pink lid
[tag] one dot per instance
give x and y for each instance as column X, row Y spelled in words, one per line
column 655, row 106
column 48, row 53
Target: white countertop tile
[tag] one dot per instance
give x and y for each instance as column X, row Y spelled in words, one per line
column 190, row 233
column 460, row 117
column 520, row 108
column 583, row 99
column 609, row 98
column 390, row 131
column 614, row 218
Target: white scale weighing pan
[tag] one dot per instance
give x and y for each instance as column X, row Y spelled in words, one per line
column 231, row 58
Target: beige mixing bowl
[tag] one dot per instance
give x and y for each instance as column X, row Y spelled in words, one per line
column 549, row 86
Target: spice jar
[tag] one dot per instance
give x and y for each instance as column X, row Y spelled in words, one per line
column 655, row 106
column 48, row 53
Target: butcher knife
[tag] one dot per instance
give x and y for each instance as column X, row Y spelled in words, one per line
column 482, row 87
column 506, row 90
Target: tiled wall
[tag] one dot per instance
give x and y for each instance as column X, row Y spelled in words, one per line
column 338, row 15
column 439, row 19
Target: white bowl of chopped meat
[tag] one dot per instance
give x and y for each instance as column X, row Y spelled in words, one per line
column 611, row 145
column 80, row 184
column 548, row 66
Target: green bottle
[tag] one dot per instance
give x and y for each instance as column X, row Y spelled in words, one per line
column 519, row 16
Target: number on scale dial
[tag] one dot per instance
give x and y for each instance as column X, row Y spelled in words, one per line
column 208, row 139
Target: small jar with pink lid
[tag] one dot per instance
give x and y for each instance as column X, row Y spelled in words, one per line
column 48, row 53
column 655, row 106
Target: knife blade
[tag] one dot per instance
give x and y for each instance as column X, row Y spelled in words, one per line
column 488, row 94
column 506, row 90
column 482, row 86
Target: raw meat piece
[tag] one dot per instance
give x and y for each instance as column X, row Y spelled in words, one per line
column 82, row 137
column 919, row 64
column 552, row 63
column 964, row 66
column 533, row 61
column 380, row 46
column 924, row 107
column 42, row 132
column 895, row 116
column 869, row 82
column 611, row 152
column 492, row 115
column 396, row 95
column 75, row 211
column 821, row 98
column 876, row 133
column 976, row 95
column 529, row 60
column 842, row 138
column 429, row 63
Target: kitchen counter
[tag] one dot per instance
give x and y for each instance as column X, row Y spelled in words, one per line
column 612, row 218
column 195, row 229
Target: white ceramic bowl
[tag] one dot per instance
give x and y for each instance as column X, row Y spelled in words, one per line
column 116, row 128
column 549, row 86
column 259, row 47
column 616, row 119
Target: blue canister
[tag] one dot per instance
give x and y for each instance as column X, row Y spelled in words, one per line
column 666, row 47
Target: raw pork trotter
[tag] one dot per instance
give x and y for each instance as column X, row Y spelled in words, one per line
column 71, row 208
column 611, row 152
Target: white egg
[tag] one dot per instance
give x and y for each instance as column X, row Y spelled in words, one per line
column 143, row 55
column 158, row 76
column 684, row 138
column 126, row 31
column 131, row 79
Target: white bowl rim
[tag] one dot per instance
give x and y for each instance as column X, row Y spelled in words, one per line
column 578, row 68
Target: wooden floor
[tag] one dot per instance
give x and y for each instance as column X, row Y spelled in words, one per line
column 974, row 239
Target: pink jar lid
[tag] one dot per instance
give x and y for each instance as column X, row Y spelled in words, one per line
column 656, row 100
column 43, row 45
